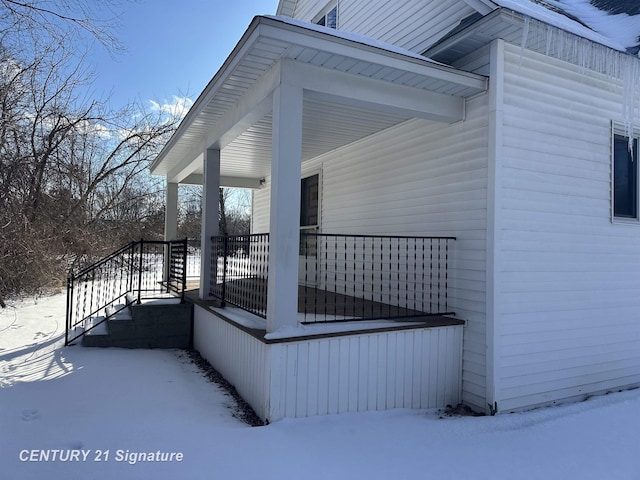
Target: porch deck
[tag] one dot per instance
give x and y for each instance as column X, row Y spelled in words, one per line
column 358, row 326
column 341, row 277
column 318, row 305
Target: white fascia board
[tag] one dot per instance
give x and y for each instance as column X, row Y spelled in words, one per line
column 185, row 168
column 239, row 52
column 252, row 106
column 377, row 95
column 231, row 182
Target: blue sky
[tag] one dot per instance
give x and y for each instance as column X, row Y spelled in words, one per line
column 173, row 47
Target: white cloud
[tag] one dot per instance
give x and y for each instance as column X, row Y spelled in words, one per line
column 177, row 107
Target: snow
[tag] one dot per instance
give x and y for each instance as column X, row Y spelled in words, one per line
column 620, row 31
column 353, row 37
column 59, row 398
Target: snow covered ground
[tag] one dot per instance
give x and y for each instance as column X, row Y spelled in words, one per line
column 101, row 403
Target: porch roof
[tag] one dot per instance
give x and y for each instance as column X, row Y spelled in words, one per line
column 353, row 87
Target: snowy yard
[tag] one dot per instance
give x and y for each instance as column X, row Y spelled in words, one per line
column 101, row 403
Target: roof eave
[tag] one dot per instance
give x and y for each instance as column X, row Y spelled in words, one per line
column 300, row 35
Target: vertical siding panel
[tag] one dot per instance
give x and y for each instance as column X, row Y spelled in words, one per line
column 383, row 379
column 303, row 378
column 324, row 391
column 373, row 367
column 363, row 372
column 302, row 385
column 433, row 369
column 334, row 375
column 392, row 362
column 291, row 379
column 354, row 373
column 313, row 367
column 343, row 373
column 418, row 368
column 238, row 357
column 409, row 362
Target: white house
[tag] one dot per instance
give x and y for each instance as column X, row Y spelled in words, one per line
column 451, row 202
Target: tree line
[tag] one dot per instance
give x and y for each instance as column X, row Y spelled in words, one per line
column 74, row 181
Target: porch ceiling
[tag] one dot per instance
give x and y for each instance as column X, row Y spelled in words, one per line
column 233, row 113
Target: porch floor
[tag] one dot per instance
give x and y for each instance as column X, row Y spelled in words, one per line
column 318, row 305
column 323, row 309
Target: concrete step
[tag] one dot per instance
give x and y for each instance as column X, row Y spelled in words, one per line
column 119, row 312
column 94, row 327
column 162, row 323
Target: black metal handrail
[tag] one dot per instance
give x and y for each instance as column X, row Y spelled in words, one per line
column 342, row 277
column 140, row 270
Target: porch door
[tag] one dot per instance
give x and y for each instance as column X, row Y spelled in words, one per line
column 309, row 223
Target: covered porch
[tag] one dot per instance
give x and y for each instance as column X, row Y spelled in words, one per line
column 288, row 93
column 301, row 319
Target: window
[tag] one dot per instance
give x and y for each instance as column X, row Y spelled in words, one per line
column 625, row 177
column 309, row 214
column 329, row 18
column 309, row 202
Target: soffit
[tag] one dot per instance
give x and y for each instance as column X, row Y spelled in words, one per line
column 327, row 125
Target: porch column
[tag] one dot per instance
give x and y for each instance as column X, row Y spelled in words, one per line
column 284, row 236
column 210, row 187
column 171, row 212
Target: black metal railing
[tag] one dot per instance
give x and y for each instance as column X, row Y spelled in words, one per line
column 341, row 277
column 239, row 271
column 193, row 258
column 137, row 271
column 346, row 277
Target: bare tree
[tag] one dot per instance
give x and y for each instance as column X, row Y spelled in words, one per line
column 61, row 22
column 73, row 173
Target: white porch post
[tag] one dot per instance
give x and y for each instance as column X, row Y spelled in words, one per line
column 171, row 212
column 284, row 237
column 210, row 207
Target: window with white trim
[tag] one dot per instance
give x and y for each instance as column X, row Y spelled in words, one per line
column 328, row 17
column 625, row 177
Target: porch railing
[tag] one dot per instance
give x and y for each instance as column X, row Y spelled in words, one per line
column 346, row 277
column 239, row 271
column 135, row 272
column 341, row 277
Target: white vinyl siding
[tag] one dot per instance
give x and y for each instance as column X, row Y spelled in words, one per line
column 241, row 359
column 368, row 372
column 568, row 322
column 373, row 371
column 426, row 179
column 410, row 24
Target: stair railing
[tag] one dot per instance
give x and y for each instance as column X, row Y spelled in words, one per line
column 138, row 271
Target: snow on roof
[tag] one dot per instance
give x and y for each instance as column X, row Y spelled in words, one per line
column 353, row 37
column 615, row 23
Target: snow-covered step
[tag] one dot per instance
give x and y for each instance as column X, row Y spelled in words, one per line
column 130, row 299
column 94, row 327
column 118, row 312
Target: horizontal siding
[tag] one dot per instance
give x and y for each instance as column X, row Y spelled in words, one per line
column 241, row 359
column 411, row 24
column 377, row 371
column 260, row 209
column 438, row 187
column 419, row 178
column 569, row 312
